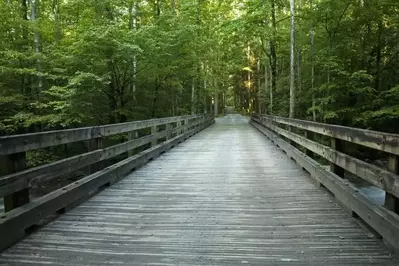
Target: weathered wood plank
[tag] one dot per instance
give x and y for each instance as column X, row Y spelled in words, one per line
column 10, row 164
column 25, row 142
column 371, row 173
column 373, row 139
column 384, row 222
column 226, row 196
column 21, row 180
column 339, row 146
column 38, row 209
column 392, row 200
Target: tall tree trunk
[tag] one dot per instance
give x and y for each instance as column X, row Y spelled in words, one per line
column 33, row 16
column 260, row 102
column 193, row 97
column 158, row 8
column 205, row 87
column 271, row 93
column 312, row 66
column 25, row 88
column 292, row 62
column 134, row 28
column 299, row 62
column 266, row 87
column 216, row 101
column 273, row 53
column 56, row 11
column 377, row 85
column 249, row 78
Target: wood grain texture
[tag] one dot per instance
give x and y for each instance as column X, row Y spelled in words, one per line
column 382, row 141
column 226, row 196
column 375, row 175
column 25, row 142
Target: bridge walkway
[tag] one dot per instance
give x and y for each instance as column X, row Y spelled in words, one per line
column 226, row 196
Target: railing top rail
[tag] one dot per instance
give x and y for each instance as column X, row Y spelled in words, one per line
column 381, row 141
column 31, row 141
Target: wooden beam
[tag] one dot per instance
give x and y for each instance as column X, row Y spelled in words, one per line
column 373, row 139
column 371, row 173
column 20, row 180
column 95, row 144
column 383, row 221
column 392, row 201
column 14, row 223
column 310, row 136
column 11, row 164
column 25, row 142
column 154, row 129
column 337, row 145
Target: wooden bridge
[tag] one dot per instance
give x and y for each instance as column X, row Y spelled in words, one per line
column 225, row 196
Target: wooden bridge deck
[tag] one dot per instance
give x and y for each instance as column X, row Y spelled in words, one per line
column 226, row 196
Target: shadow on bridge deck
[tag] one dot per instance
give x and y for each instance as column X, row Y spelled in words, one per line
column 226, row 196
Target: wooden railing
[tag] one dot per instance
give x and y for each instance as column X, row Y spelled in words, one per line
column 21, row 213
column 306, row 142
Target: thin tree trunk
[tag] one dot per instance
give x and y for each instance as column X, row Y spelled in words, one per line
column 216, row 101
column 249, row 78
column 292, row 62
column 299, row 63
column 33, row 16
column 134, row 28
column 158, row 8
column 266, row 85
column 259, row 90
column 312, row 66
column 56, row 10
column 24, row 12
column 205, row 87
column 378, row 57
column 271, row 93
column 273, row 53
column 193, row 97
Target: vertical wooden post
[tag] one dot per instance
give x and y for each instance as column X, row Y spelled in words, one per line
column 178, row 128
column 310, row 136
column 186, row 125
column 131, row 136
column 154, row 129
column 293, row 143
column 11, row 164
column 95, row 144
column 168, row 130
column 337, row 145
column 391, row 201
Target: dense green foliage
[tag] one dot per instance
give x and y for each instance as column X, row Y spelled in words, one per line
column 67, row 63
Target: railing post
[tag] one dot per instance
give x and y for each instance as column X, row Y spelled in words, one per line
column 131, row 136
column 186, row 125
column 11, row 164
column 154, row 129
column 95, row 144
column 178, row 128
column 310, row 136
column 391, row 201
column 337, row 145
column 168, row 128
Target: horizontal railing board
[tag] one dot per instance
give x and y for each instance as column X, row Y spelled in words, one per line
column 383, row 221
column 14, row 223
column 17, row 181
column 371, row 173
column 25, row 142
column 373, row 139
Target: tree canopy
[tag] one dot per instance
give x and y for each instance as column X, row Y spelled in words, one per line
column 68, row 63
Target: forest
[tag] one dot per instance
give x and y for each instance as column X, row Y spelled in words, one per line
column 72, row 63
